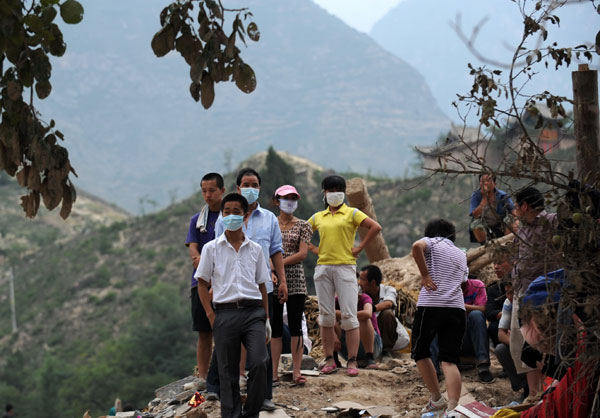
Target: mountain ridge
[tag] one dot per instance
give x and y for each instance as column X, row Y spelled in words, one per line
column 325, row 92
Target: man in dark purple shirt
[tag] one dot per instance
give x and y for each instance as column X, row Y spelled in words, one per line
column 201, row 231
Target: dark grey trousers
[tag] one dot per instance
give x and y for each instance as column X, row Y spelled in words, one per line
column 517, row 381
column 232, row 328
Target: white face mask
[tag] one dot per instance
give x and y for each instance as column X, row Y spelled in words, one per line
column 335, row 199
column 288, row 206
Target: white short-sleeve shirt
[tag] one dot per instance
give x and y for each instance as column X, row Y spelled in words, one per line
column 235, row 275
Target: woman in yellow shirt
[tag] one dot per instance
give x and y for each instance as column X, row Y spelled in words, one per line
column 335, row 272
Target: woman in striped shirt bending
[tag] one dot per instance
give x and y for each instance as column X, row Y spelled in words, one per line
column 440, row 310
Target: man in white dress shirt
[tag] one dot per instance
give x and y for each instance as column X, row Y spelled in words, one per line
column 237, row 271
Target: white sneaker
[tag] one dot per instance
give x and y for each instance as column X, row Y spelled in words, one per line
column 433, row 406
column 243, row 382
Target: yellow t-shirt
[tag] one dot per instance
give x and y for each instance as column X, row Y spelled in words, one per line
column 337, row 233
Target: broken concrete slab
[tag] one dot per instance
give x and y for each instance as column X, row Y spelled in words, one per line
column 277, row 413
column 286, row 364
column 172, row 389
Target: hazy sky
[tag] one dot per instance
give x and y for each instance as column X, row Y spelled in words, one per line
column 360, row 14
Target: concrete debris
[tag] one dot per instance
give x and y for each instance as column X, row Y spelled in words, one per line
column 286, row 364
column 169, row 391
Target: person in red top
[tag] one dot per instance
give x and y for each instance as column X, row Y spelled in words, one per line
column 370, row 338
column 476, row 339
column 574, row 395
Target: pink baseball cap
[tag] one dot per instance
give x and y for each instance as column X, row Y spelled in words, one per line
column 286, row 190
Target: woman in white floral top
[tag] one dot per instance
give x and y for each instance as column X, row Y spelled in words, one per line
column 296, row 235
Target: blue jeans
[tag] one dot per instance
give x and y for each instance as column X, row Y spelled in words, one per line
column 476, row 341
column 362, row 354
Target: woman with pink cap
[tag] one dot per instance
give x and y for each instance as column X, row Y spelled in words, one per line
column 296, row 235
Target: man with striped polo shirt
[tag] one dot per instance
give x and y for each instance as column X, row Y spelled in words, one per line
column 440, row 310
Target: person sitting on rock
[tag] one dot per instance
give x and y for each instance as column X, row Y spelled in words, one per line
column 476, row 339
column 393, row 334
column 370, row 339
column 490, row 209
column 496, row 295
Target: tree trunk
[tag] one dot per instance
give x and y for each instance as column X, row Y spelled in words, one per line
column 585, row 113
column 358, row 197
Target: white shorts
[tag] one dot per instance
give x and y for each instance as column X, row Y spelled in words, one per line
column 340, row 279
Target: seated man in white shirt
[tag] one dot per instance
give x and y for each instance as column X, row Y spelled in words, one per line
column 502, row 350
column 236, row 269
column 393, row 334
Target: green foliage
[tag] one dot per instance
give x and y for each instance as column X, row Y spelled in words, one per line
column 277, row 173
column 101, row 277
column 211, row 53
column 420, row 194
column 148, row 353
column 28, row 148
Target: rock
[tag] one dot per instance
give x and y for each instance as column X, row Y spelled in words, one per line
column 286, row 364
column 169, row 412
column 399, row 370
column 193, row 386
column 196, row 413
column 492, row 402
column 413, row 406
column 125, row 414
column 308, row 363
column 172, row 389
column 393, row 363
column 185, row 396
column 154, row 402
column 182, row 411
column 479, row 389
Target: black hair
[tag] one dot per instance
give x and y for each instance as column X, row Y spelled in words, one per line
column 440, row 228
column 235, row 197
column 9, row 407
column 532, row 196
column 247, row 171
column 373, row 273
column 334, row 183
column 492, row 175
column 214, row 176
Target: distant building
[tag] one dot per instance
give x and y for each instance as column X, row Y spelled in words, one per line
column 465, row 148
column 549, row 132
column 462, row 148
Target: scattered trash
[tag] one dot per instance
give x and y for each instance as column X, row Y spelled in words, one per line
column 196, row 400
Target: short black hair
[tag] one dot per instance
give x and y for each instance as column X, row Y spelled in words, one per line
column 9, row 407
column 214, row 176
column 247, row 171
column 334, row 182
column 235, row 197
column 492, row 175
column 532, row 196
column 373, row 273
column 440, row 228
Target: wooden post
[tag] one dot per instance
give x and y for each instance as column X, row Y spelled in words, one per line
column 587, row 125
column 358, row 197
